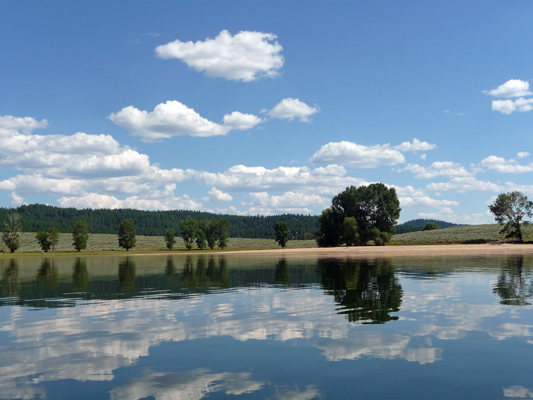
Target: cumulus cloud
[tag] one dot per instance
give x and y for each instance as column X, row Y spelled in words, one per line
column 415, row 145
column 168, row 119
column 293, row 108
column 510, row 106
column 10, row 125
column 240, row 121
column 465, row 184
column 239, row 178
column 440, row 168
column 297, row 202
column 523, row 154
column 356, row 155
column 246, row 56
column 511, row 88
column 500, row 164
column 426, row 201
column 216, row 195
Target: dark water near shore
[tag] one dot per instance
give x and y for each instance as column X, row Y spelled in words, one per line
column 266, row 328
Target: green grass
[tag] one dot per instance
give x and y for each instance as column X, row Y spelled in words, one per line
column 458, row 234
column 109, row 243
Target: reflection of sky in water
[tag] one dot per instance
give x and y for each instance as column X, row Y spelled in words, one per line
column 273, row 342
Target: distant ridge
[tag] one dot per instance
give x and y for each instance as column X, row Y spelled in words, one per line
column 416, row 225
column 38, row 217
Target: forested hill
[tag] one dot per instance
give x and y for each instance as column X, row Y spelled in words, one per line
column 37, row 218
column 419, row 224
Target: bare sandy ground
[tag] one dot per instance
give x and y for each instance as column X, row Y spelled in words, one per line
column 466, row 250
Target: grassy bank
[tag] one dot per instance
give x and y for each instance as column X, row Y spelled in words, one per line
column 109, row 243
column 457, row 235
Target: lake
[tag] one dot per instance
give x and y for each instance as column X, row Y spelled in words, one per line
column 195, row 327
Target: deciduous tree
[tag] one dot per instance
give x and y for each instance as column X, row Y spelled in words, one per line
column 44, row 240
column 170, row 238
column 281, row 230
column 188, row 229
column 126, row 234
column 53, row 237
column 11, row 232
column 80, row 235
column 509, row 210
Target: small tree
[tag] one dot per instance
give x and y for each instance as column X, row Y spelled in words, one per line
column 188, row 229
column 222, row 227
column 11, row 232
column 349, row 231
column 281, row 229
column 170, row 238
column 430, row 226
column 44, row 240
column 210, row 229
column 80, row 235
column 53, row 237
column 126, row 234
column 510, row 209
column 200, row 239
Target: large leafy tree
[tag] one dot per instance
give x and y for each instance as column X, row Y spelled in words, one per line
column 11, row 232
column 222, row 229
column 44, row 240
column 80, row 235
column 170, row 238
column 188, row 231
column 281, row 230
column 53, row 237
column 372, row 206
column 509, row 210
column 126, row 234
column 330, row 228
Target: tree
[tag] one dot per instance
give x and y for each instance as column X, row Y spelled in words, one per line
column 11, row 233
column 200, row 239
column 509, row 210
column 372, row 206
column 44, row 240
column 430, row 226
column 170, row 238
column 350, row 234
column 330, row 228
column 53, row 237
column 222, row 233
column 126, row 234
column 188, row 228
column 80, row 235
column 210, row 228
column 281, row 229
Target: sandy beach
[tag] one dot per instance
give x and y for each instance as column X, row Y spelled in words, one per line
column 466, row 250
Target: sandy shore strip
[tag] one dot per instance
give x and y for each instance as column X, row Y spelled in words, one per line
column 466, row 250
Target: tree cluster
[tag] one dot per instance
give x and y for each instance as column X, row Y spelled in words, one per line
column 206, row 233
column 359, row 215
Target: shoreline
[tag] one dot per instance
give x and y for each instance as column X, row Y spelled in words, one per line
column 423, row 251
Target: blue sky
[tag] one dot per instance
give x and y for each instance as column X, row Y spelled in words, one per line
column 265, row 107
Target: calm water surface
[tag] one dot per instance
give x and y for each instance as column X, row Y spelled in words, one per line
column 266, row 328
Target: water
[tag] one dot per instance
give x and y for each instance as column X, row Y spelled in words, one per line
column 266, row 328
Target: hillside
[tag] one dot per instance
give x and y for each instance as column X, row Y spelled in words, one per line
column 38, row 217
column 416, row 225
column 458, row 234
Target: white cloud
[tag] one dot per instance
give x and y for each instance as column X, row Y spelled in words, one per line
column 293, row 108
column 240, row 121
column 17, row 200
column 165, row 202
column 246, row 56
column 356, row 155
column 287, row 200
column 323, row 180
column 216, row 195
column 511, row 88
column 446, row 214
column 423, row 157
column 518, row 392
column 168, row 119
column 509, row 106
column 523, row 154
column 499, row 164
column 416, row 145
column 426, row 201
column 465, row 184
column 440, row 168
column 26, row 125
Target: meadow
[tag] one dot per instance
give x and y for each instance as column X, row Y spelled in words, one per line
column 108, row 242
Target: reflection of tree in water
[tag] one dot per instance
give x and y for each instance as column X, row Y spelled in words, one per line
column 47, row 274
column 170, row 270
column 283, row 273
column 10, row 287
column 80, row 276
column 126, row 275
column 206, row 274
column 513, row 286
column 366, row 291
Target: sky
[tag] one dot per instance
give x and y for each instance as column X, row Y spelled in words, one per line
column 266, row 107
